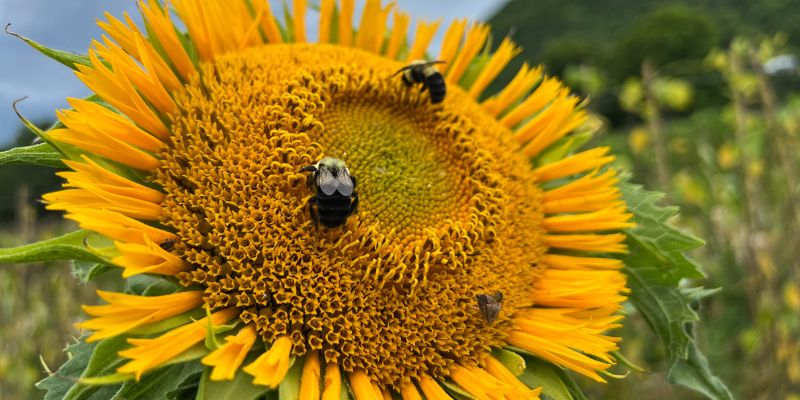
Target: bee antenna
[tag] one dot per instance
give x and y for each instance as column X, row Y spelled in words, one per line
column 407, row 67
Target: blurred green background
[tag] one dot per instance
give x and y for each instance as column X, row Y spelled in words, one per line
column 699, row 99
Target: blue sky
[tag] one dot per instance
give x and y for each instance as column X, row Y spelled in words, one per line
column 70, row 25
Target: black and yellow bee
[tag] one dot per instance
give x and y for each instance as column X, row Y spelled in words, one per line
column 335, row 199
column 425, row 73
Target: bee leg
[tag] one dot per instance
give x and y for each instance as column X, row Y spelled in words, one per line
column 309, row 179
column 311, row 211
column 353, row 205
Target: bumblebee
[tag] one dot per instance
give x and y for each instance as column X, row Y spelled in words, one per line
column 489, row 306
column 424, row 72
column 335, row 199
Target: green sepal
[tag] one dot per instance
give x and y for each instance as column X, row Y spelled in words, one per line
column 345, row 391
column 85, row 271
column 625, row 362
column 32, row 128
column 289, row 389
column 71, row 60
column 159, row 384
column 42, row 154
column 151, row 285
column 473, row 70
column 211, row 342
column 287, row 30
column 655, row 266
column 455, row 391
column 240, row 388
column 561, row 148
column 539, row 373
column 167, row 324
column 110, row 379
column 514, row 362
column 72, row 246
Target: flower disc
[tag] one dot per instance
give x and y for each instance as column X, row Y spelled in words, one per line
column 447, row 212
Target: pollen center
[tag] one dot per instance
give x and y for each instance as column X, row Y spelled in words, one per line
column 448, row 209
column 410, row 175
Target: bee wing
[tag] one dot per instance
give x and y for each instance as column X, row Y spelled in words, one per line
column 326, row 181
column 345, row 182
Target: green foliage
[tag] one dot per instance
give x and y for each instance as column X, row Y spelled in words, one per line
column 85, row 360
column 289, row 389
column 655, row 266
column 61, row 383
column 154, row 386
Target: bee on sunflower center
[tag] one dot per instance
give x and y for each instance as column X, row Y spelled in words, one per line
column 425, row 73
column 335, row 199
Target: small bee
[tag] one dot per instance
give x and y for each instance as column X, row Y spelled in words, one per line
column 424, row 72
column 336, row 198
column 489, row 306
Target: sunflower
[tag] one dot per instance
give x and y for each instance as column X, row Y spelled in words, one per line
column 189, row 159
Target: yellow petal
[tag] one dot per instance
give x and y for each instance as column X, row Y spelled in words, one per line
column 398, row 37
column 227, row 359
column 147, row 258
column 148, row 354
column 362, row 386
column 310, row 380
column 332, row 389
column 409, row 392
column 346, row 22
column 432, row 389
column 423, row 37
column 476, row 37
column 270, row 368
column 126, row 312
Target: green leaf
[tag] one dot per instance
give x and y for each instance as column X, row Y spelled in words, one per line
column 39, row 154
column 61, row 381
column 85, row 271
column 186, row 390
column 543, row 374
column 695, row 373
column 71, row 60
column 514, row 362
column 240, row 388
column 103, row 361
column 72, row 246
column 655, row 266
column 157, row 384
column 289, row 388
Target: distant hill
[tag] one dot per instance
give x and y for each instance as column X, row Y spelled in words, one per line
column 599, row 26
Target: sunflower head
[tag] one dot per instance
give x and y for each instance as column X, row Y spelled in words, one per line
column 468, row 230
